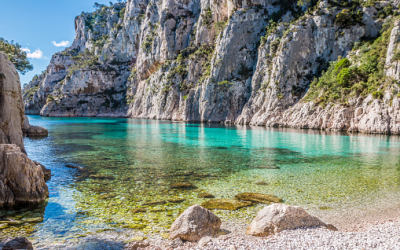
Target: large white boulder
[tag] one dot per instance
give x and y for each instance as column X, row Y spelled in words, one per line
column 195, row 223
column 279, row 217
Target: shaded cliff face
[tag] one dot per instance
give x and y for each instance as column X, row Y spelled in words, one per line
column 21, row 180
column 11, row 104
column 246, row 62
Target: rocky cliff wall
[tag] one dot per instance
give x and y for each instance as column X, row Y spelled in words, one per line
column 21, row 179
column 245, row 62
column 11, row 104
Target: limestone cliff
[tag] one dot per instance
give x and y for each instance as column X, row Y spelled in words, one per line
column 245, row 62
column 21, row 179
column 11, row 104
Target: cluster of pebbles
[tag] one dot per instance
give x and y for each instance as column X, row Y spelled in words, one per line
column 385, row 235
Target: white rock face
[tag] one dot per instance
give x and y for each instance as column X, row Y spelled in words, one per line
column 195, row 223
column 279, row 217
column 21, row 180
column 203, row 60
column 11, row 105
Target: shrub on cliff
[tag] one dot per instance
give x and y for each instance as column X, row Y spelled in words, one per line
column 342, row 81
column 16, row 55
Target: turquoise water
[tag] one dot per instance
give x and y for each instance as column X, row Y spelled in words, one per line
column 131, row 162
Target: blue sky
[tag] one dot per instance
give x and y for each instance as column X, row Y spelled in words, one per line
column 36, row 24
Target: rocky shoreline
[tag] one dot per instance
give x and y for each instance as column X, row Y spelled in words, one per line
column 371, row 234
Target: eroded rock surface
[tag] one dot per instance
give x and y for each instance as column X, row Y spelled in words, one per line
column 195, row 223
column 21, row 180
column 215, row 61
column 279, row 217
column 20, row 243
column 33, row 131
column 11, row 104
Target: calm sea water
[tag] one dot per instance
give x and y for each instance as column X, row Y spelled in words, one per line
column 130, row 162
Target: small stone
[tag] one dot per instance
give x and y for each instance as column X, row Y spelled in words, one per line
column 134, row 245
column 158, row 210
column 13, row 222
column 176, row 243
column 177, row 200
column 138, row 210
column 204, row 241
column 107, row 196
column 205, row 196
column 269, row 167
column 34, row 220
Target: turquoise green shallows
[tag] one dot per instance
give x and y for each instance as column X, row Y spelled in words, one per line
column 131, row 162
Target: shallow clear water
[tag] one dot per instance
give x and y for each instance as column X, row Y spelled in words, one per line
column 136, row 161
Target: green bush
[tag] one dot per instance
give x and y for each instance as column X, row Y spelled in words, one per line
column 344, row 63
column 341, row 80
column 344, row 77
column 50, row 98
column 377, row 95
column 225, row 82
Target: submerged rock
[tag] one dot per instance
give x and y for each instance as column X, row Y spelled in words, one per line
column 102, row 177
column 256, row 197
column 279, row 217
column 154, row 203
column 34, row 220
column 177, row 200
column 195, row 223
column 226, row 204
column 268, row 167
column 16, row 244
column 183, row 185
column 21, row 180
column 205, row 196
column 138, row 210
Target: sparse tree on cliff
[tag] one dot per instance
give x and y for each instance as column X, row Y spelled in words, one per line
column 16, row 55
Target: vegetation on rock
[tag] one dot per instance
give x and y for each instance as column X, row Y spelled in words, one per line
column 357, row 76
column 16, row 55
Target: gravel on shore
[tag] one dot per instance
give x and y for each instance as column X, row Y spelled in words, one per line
column 377, row 236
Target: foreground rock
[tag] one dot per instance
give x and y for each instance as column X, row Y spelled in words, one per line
column 16, row 244
column 279, row 217
column 33, row 131
column 46, row 171
column 226, row 204
column 21, row 180
column 11, row 104
column 134, row 245
column 195, row 223
column 260, row 198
